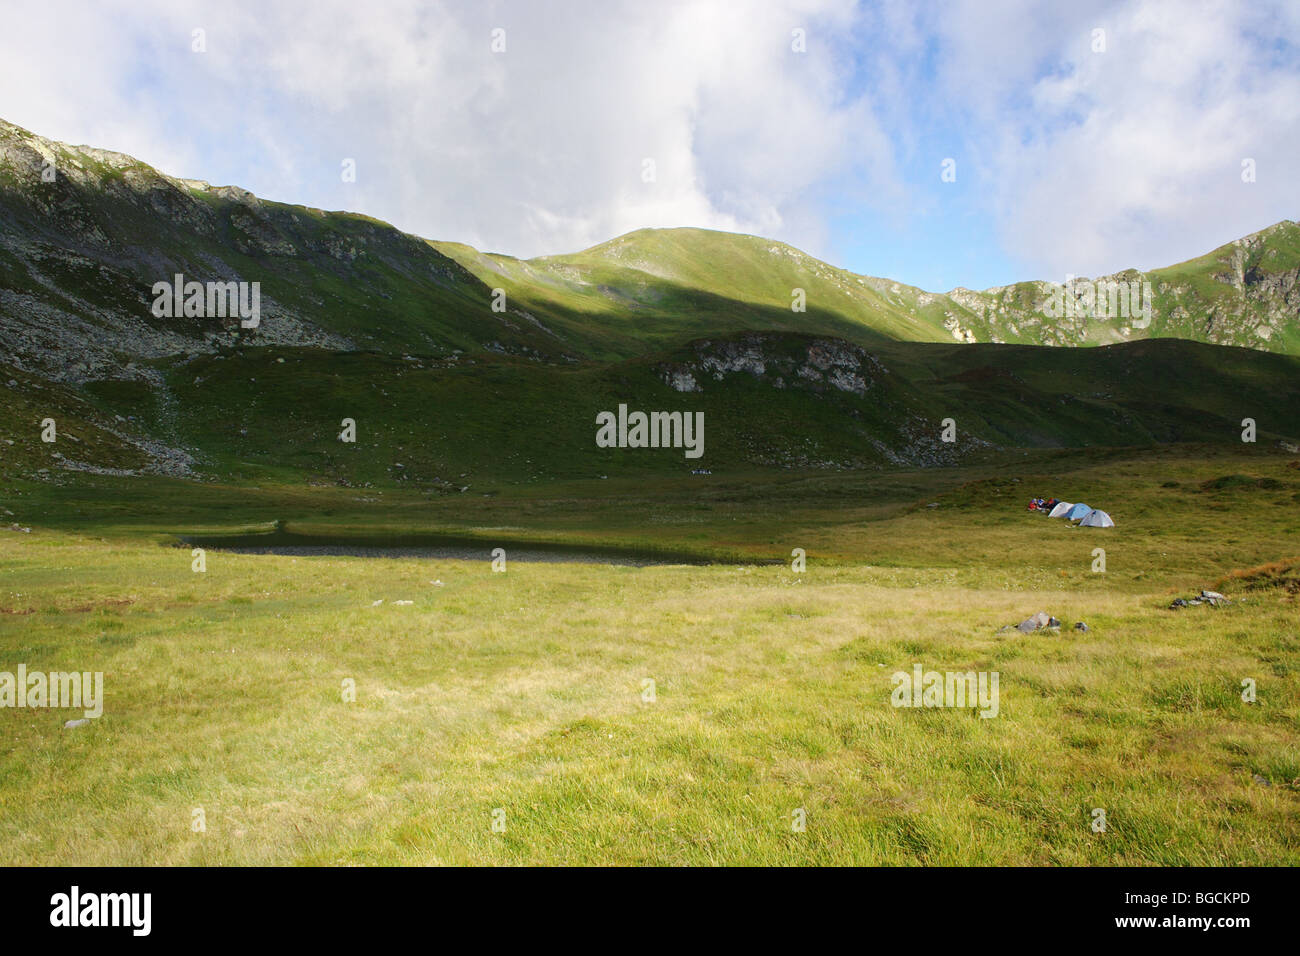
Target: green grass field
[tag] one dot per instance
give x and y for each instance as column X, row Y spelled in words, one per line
column 524, row 692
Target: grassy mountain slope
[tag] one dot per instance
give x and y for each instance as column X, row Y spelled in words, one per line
column 79, row 256
column 771, row 401
column 1246, row 293
column 399, row 333
column 610, row 311
column 80, row 252
column 696, row 281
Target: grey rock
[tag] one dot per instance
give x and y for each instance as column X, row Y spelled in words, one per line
column 1036, row 622
column 1212, row 598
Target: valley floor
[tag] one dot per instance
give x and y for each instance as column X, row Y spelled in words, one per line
column 669, row 714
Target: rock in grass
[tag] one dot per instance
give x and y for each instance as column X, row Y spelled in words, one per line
column 1212, row 598
column 1039, row 620
column 76, row 723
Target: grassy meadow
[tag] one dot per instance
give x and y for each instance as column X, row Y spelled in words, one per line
column 525, row 692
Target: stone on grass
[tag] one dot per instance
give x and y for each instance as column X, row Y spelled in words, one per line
column 1212, row 598
column 1036, row 622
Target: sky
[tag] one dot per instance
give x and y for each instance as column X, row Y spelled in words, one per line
column 940, row 144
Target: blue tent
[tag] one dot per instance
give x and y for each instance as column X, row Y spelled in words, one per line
column 1078, row 511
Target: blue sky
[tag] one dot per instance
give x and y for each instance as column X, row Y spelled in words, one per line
column 1073, row 153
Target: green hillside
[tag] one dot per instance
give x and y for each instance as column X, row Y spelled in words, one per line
column 770, row 400
column 80, row 254
column 453, row 387
column 696, row 281
column 692, row 281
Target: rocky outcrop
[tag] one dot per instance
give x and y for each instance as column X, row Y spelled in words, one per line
column 822, row 363
column 882, row 409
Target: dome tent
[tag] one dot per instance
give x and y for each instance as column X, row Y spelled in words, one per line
column 1061, row 509
column 1078, row 511
column 1096, row 519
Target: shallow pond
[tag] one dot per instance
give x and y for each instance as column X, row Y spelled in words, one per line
column 437, row 548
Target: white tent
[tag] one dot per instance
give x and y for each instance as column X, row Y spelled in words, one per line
column 1096, row 519
column 1061, row 508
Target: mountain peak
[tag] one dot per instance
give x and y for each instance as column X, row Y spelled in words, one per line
column 344, row 280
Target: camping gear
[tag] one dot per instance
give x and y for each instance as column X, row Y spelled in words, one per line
column 1078, row 511
column 1096, row 519
column 1061, row 510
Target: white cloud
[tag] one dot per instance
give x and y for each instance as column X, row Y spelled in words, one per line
column 538, row 149
column 1132, row 156
column 1086, row 162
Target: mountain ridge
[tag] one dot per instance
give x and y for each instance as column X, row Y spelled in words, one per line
column 449, row 382
column 347, row 281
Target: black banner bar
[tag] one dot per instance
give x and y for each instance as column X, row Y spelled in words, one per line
column 333, row 906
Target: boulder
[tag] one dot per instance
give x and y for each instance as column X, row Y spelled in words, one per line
column 1040, row 620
